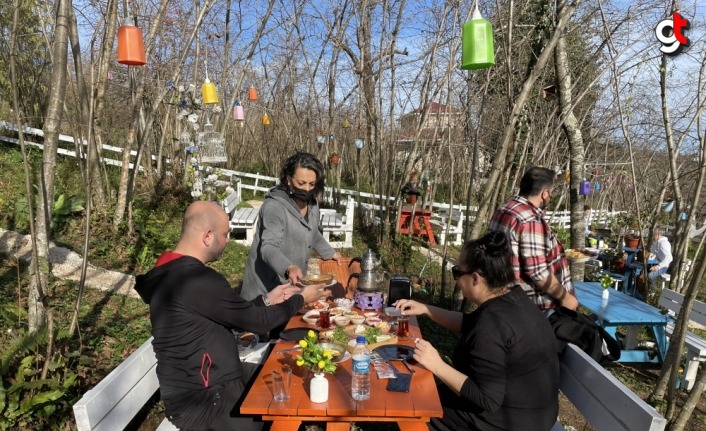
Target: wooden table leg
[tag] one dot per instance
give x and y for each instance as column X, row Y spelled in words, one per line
column 285, row 425
column 430, row 232
column 412, row 426
column 338, row 426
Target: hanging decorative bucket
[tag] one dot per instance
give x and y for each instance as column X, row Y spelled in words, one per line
column 238, row 114
column 252, row 94
column 212, row 146
column 597, row 186
column 208, row 92
column 584, row 187
column 477, row 38
column 131, row 46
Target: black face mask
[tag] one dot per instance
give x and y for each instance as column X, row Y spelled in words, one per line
column 302, row 195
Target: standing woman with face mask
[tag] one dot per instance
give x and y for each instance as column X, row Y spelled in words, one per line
column 288, row 228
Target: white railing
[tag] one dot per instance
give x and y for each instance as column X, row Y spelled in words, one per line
column 262, row 183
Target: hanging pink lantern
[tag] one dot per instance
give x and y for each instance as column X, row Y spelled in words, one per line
column 238, row 113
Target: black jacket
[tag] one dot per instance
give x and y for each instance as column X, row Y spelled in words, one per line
column 192, row 310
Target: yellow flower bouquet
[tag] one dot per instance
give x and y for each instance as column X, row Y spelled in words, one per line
column 607, row 281
column 314, row 356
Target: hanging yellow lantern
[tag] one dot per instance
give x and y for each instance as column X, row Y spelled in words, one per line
column 252, row 94
column 346, row 124
column 477, row 37
column 131, row 46
column 266, row 120
column 208, row 92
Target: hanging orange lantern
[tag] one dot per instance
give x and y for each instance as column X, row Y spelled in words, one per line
column 131, row 46
column 238, row 113
column 266, row 120
column 252, row 94
column 208, row 92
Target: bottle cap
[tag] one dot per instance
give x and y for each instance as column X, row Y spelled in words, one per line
column 360, row 339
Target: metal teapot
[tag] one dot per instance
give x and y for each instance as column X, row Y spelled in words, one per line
column 368, row 281
column 369, row 261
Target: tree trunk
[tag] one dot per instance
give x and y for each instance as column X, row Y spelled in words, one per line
column 98, row 92
column 573, row 134
column 518, row 106
column 45, row 201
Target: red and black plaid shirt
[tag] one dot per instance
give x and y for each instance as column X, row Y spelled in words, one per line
column 535, row 250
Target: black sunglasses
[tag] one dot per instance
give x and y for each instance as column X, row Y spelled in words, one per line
column 457, row 273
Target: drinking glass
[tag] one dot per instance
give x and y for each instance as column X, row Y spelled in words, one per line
column 281, row 381
column 403, row 327
column 324, row 318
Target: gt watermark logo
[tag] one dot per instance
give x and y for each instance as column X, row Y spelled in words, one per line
column 670, row 32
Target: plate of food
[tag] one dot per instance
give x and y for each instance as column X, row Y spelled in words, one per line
column 338, row 351
column 577, row 255
column 318, row 279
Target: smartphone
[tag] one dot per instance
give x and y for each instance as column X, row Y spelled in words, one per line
column 399, row 384
column 398, row 288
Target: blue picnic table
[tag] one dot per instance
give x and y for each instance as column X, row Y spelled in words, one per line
column 620, row 309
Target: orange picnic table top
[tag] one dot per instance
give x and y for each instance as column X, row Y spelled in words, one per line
column 411, row 410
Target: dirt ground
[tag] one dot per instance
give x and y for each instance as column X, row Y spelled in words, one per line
column 640, row 378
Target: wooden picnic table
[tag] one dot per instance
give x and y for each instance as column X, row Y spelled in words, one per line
column 410, row 218
column 624, row 310
column 410, row 410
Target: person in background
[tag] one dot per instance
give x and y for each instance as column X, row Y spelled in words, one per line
column 538, row 259
column 505, row 373
column 193, row 310
column 661, row 250
column 288, row 228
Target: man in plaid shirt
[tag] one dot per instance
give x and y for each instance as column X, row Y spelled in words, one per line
column 538, row 259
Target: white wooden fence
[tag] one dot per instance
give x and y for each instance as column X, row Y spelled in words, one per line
column 261, row 183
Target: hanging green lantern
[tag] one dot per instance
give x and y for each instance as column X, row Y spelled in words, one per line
column 477, row 37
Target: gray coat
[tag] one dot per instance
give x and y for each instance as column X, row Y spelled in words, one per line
column 283, row 237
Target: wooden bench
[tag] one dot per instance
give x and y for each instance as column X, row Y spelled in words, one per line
column 242, row 220
column 603, row 400
column 338, row 224
column 695, row 345
column 116, row 399
column 452, row 225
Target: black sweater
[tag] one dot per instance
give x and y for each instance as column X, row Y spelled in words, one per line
column 192, row 310
column 508, row 351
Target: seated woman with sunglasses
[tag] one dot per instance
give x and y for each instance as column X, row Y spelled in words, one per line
column 505, row 373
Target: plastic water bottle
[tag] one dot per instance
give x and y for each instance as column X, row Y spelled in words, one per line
column 360, row 387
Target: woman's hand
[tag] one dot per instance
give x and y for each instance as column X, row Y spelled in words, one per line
column 294, row 274
column 411, row 308
column 337, row 257
column 427, row 356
